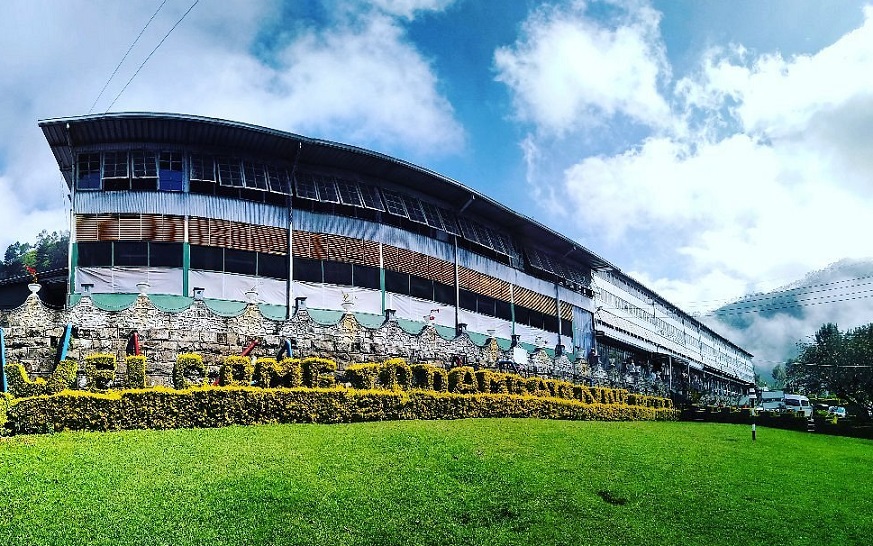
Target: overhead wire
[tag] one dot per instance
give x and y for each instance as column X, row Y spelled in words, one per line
column 152, row 53
column 114, row 72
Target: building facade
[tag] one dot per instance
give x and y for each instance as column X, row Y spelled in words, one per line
column 187, row 207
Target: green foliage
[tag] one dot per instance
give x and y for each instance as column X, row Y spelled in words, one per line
column 429, row 377
column 189, row 370
column 462, row 380
column 236, row 370
column 217, row 406
column 135, row 373
column 363, row 376
column 395, row 374
column 5, row 400
column 20, row 386
column 838, row 363
column 100, row 370
column 271, row 374
column 48, row 253
column 318, row 372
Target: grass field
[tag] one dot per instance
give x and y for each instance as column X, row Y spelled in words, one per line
column 438, row 482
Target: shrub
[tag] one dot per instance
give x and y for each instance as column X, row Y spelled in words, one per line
column 160, row 408
column 135, row 374
column 266, row 369
column 583, row 394
column 395, row 374
column 100, row 370
column 462, row 380
column 5, row 400
column 363, row 376
column 269, row 373
column 491, row 382
column 236, row 370
column 536, row 386
column 20, row 386
column 429, row 377
column 515, row 384
column 318, row 372
column 189, row 370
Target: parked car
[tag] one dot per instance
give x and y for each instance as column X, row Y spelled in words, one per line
column 798, row 403
column 837, row 411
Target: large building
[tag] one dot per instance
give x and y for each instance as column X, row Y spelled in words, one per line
column 228, row 211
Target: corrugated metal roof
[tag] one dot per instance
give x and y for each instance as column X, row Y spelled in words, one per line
column 63, row 134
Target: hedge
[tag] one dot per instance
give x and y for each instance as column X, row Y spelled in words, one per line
column 135, row 372
column 236, row 371
column 5, row 400
column 20, row 386
column 162, row 408
column 100, row 370
column 189, row 367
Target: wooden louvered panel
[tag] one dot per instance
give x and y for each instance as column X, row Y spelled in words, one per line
column 86, row 228
column 150, row 224
column 198, row 230
column 354, row 251
column 130, row 227
column 240, row 236
column 370, row 253
column 219, row 233
column 441, row 271
column 269, row 239
column 533, row 300
column 566, row 310
column 107, row 227
column 171, row 230
column 319, row 250
column 467, row 278
column 300, row 241
column 495, row 288
column 335, row 246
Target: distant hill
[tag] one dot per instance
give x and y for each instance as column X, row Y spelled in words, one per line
column 771, row 324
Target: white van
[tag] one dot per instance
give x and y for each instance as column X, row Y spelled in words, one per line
column 799, row 404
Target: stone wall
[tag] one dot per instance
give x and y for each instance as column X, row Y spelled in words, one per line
column 33, row 332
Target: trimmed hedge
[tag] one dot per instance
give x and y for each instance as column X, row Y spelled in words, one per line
column 363, row 376
column 270, row 373
column 161, row 408
column 100, row 370
column 135, row 372
column 318, row 372
column 462, row 380
column 188, row 366
column 395, row 374
column 429, row 377
column 236, row 371
column 20, row 385
column 5, row 400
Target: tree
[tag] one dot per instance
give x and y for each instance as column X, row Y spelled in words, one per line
column 49, row 253
column 837, row 363
column 778, row 374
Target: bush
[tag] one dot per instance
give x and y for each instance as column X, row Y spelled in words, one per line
column 20, row 386
column 491, row 382
column 135, row 374
column 5, row 400
column 462, row 380
column 161, row 408
column 318, row 372
column 395, row 374
column 100, row 370
column 536, row 386
column 429, row 377
column 363, row 376
column 189, row 370
column 236, row 370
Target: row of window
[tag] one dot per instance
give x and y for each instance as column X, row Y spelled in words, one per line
column 235, row 178
column 152, row 254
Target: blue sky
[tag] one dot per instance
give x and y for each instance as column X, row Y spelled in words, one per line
column 709, row 148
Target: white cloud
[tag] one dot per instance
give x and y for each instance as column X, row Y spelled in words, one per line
column 763, row 172
column 357, row 79
column 408, row 8
column 569, row 70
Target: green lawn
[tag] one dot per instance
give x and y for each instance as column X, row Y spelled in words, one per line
column 483, row 481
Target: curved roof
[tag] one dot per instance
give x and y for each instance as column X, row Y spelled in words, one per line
column 66, row 134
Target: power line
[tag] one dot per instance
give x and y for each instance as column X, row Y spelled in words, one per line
column 804, row 289
column 152, row 53
column 126, row 54
column 794, row 305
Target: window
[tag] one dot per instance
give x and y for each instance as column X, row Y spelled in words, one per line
column 240, row 261
column 277, row 179
column 165, row 254
column 115, row 171
column 413, row 207
column 365, row 276
column 255, row 175
column 443, row 293
column 94, row 254
column 433, row 216
column 397, row 282
column 131, row 253
column 229, row 174
column 420, row 288
column 394, row 203
column 503, row 310
column 273, row 265
column 370, row 197
column 207, row 258
column 89, row 172
column 307, row 270
column 144, row 166
column 348, row 192
column 467, row 300
column 337, row 273
column 326, row 189
column 305, row 185
column 170, row 172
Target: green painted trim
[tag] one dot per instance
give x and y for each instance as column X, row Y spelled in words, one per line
column 74, row 260
column 382, row 286
column 186, row 266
